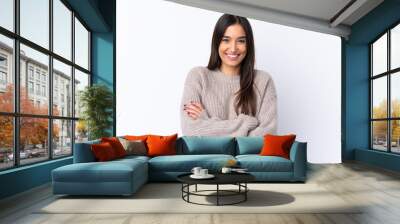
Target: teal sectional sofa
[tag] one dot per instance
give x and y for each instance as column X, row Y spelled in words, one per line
column 125, row 176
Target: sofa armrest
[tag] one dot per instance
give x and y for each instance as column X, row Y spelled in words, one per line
column 83, row 152
column 298, row 155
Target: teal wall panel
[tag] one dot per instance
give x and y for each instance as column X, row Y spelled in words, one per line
column 24, row 178
column 376, row 158
column 356, row 75
column 103, row 64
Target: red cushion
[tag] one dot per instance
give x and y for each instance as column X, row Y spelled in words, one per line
column 161, row 145
column 116, row 145
column 103, row 151
column 275, row 145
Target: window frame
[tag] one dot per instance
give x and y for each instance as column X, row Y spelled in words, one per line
column 15, row 72
column 388, row 74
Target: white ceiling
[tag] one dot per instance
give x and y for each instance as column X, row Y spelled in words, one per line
column 316, row 15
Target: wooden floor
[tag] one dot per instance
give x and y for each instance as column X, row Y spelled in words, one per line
column 377, row 188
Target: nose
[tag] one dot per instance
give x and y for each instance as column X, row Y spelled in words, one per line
column 233, row 46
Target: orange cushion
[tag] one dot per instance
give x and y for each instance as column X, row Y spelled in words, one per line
column 116, row 145
column 161, row 145
column 275, row 145
column 103, row 151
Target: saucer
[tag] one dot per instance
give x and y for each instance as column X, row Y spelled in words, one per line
column 208, row 176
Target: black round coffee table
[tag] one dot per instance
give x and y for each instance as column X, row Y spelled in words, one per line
column 238, row 179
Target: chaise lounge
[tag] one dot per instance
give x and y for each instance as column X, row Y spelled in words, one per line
column 125, row 176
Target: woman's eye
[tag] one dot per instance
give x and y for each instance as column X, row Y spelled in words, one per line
column 225, row 40
column 242, row 41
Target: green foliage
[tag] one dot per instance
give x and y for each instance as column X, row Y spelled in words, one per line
column 96, row 102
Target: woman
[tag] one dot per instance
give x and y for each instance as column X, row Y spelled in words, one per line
column 229, row 97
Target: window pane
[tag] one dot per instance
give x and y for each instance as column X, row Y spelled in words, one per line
column 379, row 135
column 34, row 97
column 395, row 94
column 35, row 21
column 81, row 131
column 81, row 81
column 7, row 14
column 62, row 137
column 6, row 142
column 62, row 89
column 6, row 74
column 81, row 45
column 395, row 47
column 395, row 136
column 379, row 97
column 62, row 29
column 379, row 55
column 33, row 140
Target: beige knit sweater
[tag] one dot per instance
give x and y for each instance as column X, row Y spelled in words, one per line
column 215, row 91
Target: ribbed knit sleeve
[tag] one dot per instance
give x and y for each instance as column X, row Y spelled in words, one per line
column 209, row 124
column 267, row 115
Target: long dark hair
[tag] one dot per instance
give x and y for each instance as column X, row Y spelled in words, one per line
column 245, row 97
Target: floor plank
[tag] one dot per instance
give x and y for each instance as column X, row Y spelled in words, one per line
column 376, row 189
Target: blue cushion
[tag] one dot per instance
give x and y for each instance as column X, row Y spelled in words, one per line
column 257, row 163
column 185, row 163
column 249, row 145
column 83, row 153
column 194, row 145
column 133, row 157
column 111, row 171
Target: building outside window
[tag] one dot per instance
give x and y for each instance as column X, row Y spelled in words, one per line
column 3, row 61
column 30, row 72
column 37, row 75
column 3, row 72
column 30, row 87
column 43, row 90
column 44, row 77
column 3, row 78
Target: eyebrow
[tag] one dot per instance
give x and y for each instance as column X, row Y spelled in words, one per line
column 242, row 37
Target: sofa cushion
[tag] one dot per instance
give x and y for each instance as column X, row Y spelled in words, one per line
column 111, row 171
column 161, row 145
column 83, row 152
column 185, row 163
column 103, row 152
column 134, row 147
column 195, row 145
column 116, row 145
column 275, row 145
column 257, row 163
column 249, row 145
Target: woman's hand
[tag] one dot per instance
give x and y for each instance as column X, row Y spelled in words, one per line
column 193, row 109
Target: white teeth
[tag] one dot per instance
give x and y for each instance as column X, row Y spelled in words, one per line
column 233, row 55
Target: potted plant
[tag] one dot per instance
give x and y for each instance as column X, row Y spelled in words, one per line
column 96, row 102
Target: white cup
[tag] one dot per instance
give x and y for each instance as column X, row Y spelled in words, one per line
column 196, row 171
column 203, row 172
column 226, row 170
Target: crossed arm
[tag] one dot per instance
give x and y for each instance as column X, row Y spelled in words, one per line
column 195, row 120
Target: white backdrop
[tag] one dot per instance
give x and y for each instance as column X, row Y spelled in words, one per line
column 158, row 42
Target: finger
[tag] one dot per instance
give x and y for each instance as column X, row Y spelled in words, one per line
column 194, row 117
column 192, row 107
column 195, row 112
column 198, row 105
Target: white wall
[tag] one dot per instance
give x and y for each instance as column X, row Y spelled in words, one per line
column 159, row 41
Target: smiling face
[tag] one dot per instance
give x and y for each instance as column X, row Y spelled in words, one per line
column 233, row 48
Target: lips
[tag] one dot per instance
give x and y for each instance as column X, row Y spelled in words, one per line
column 232, row 56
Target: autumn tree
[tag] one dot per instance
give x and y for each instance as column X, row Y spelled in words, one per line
column 33, row 130
column 380, row 127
